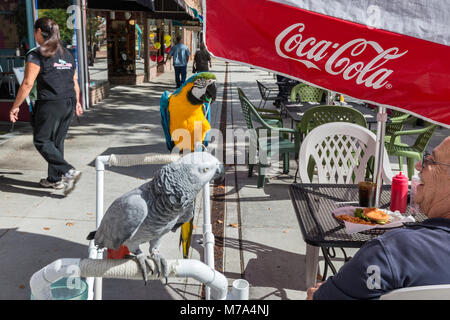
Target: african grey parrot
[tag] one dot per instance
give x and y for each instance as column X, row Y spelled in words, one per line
column 146, row 213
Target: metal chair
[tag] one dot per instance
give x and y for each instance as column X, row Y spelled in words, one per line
column 9, row 76
column 413, row 152
column 434, row 292
column 266, row 94
column 341, row 152
column 263, row 145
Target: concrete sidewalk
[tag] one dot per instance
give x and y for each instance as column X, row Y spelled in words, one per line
column 262, row 240
column 38, row 226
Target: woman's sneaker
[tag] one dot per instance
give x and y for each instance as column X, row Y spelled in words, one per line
column 58, row 185
column 70, row 179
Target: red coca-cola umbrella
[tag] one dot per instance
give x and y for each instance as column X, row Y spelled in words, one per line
column 394, row 54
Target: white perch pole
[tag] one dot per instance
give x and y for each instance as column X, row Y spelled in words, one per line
column 41, row 281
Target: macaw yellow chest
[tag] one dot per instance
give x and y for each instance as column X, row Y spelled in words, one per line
column 188, row 123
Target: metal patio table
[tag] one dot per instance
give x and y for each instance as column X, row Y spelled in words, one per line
column 314, row 204
column 295, row 111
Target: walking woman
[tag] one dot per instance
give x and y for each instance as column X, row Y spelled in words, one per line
column 53, row 67
column 201, row 60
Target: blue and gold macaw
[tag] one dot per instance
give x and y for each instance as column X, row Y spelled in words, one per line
column 188, row 105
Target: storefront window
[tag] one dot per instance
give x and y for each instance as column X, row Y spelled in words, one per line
column 154, row 42
column 13, row 45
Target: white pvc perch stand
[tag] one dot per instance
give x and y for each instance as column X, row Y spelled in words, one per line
column 95, row 268
column 128, row 269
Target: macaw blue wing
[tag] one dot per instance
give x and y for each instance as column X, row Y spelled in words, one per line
column 165, row 118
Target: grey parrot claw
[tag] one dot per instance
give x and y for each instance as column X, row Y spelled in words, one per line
column 142, row 262
column 161, row 264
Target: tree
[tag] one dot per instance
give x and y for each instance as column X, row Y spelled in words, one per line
column 93, row 24
column 60, row 16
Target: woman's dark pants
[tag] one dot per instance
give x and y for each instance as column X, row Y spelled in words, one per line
column 51, row 121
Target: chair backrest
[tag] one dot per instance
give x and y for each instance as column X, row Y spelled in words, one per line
column 396, row 124
column 396, row 113
column 320, row 115
column 305, row 93
column 262, row 89
column 341, row 152
column 250, row 112
column 424, row 138
column 245, row 105
column 435, row 292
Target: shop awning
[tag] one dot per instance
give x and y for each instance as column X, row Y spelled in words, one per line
column 159, row 9
column 125, row 5
column 173, row 9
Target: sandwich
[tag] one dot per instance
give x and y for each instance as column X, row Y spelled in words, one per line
column 372, row 215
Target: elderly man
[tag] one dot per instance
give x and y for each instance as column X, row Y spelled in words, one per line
column 416, row 255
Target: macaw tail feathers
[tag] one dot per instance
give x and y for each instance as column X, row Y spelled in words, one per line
column 185, row 237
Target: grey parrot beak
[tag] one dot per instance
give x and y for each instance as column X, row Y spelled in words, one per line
column 219, row 176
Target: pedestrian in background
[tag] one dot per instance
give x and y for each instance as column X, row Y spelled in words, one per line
column 53, row 67
column 180, row 54
column 202, row 59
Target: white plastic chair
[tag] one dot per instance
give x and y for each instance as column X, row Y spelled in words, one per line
column 341, row 151
column 435, row 292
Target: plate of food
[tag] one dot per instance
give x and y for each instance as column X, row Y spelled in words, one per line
column 358, row 219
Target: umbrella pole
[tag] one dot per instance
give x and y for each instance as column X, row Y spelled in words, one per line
column 379, row 152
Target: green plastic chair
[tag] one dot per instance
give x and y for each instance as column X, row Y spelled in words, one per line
column 411, row 153
column 397, row 121
column 305, row 93
column 319, row 115
column 272, row 117
column 255, row 122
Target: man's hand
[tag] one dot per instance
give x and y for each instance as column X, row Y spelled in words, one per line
column 310, row 291
column 14, row 114
column 79, row 109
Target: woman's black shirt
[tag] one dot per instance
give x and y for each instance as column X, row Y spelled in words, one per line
column 55, row 78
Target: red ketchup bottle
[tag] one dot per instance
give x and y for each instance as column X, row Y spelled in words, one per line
column 399, row 193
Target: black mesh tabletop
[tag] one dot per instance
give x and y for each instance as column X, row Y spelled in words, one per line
column 296, row 110
column 314, row 204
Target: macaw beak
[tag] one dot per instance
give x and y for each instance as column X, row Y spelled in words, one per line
column 211, row 92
